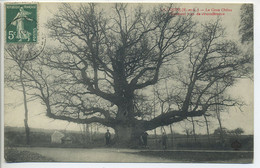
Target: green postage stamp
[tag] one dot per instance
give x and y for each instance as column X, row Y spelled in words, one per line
column 21, row 23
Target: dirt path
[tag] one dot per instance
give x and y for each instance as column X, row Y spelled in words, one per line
column 93, row 155
column 130, row 155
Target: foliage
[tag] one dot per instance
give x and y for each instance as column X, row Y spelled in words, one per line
column 246, row 27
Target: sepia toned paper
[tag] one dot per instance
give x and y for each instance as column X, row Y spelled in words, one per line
column 128, row 82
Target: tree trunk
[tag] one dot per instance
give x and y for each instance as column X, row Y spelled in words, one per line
column 154, row 111
column 27, row 129
column 127, row 129
column 221, row 128
column 207, row 125
column 193, row 130
column 127, row 135
column 27, row 132
column 91, row 133
column 88, row 136
column 219, row 119
column 155, row 137
column 172, row 136
column 123, row 135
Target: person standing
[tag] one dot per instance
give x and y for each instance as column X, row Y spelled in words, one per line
column 164, row 140
column 107, row 136
column 144, row 138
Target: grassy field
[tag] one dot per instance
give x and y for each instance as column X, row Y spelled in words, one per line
column 202, row 156
column 14, row 155
column 43, row 154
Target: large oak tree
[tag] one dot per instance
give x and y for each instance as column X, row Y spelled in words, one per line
column 106, row 62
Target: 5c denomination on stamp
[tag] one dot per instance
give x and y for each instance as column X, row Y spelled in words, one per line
column 21, row 23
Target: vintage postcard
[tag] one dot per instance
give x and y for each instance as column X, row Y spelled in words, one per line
column 128, row 82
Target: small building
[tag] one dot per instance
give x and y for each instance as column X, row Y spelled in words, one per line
column 56, row 137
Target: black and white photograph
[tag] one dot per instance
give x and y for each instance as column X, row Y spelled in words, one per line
column 128, row 82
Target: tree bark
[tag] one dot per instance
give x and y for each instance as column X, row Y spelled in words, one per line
column 127, row 129
column 127, row 135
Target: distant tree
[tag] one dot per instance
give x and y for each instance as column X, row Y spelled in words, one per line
column 218, row 110
column 20, row 56
column 219, row 131
column 246, row 27
column 237, row 131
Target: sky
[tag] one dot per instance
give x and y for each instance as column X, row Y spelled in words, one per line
column 243, row 89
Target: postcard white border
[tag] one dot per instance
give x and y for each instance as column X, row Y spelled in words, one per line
column 149, row 165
